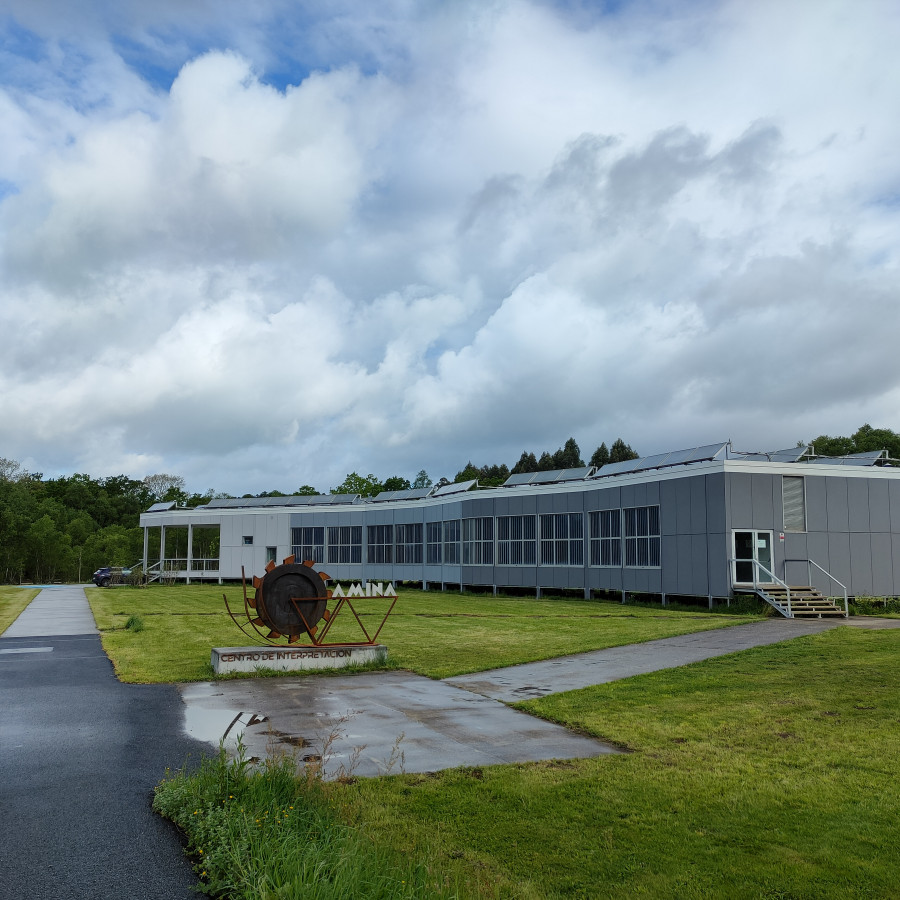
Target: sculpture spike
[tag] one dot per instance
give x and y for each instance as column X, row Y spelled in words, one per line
column 257, row 622
column 257, row 582
column 272, row 635
column 288, row 560
column 270, row 565
column 309, row 563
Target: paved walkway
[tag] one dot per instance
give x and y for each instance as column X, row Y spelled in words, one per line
column 568, row 673
column 361, row 722
column 80, row 753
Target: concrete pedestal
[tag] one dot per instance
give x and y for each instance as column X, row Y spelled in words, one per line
column 293, row 659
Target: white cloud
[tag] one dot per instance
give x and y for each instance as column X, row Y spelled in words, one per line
column 459, row 233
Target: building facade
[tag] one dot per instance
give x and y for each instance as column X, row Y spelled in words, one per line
column 706, row 522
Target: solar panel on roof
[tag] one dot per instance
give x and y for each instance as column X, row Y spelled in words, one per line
column 618, row 468
column 162, row 507
column 518, row 478
column 384, row 496
column 575, row 474
column 696, row 454
column 869, row 458
column 652, row 462
column 455, row 488
column 790, row 454
column 413, row 493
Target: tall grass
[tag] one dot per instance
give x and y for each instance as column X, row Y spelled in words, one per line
column 263, row 832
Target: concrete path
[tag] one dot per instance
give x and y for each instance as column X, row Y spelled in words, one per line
column 568, row 673
column 361, row 723
column 374, row 723
column 62, row 610
column 80, row 754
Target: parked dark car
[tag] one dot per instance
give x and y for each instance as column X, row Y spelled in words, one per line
column 109, row 575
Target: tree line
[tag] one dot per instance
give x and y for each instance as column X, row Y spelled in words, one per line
column 62, row 529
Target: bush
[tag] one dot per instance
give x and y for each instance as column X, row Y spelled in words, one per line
column 874, row 606
column 260, row 833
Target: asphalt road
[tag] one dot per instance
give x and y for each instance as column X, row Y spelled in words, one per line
column 80, row 754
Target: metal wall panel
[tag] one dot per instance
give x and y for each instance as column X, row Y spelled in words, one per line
column 682, row 506
column 879, row 506
column 718, row 577
column 894, row 495
column 668, row 508
column 860, row 564
column 816, row 503
column 895, row 561
column 740, row 504
column 839, row 557
column 698, row 506
column 762, row 488
column 882, row 565
column 668, row 557
column 685, row 581
column 858, row 504
column 838, row 509
column 699, row 564
column 715, row 504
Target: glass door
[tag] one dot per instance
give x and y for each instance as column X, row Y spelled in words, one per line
column 752, row 547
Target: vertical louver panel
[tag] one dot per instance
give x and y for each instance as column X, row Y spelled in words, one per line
column 794, row 503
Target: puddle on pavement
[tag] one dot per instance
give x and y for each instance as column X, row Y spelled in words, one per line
column 219, row 725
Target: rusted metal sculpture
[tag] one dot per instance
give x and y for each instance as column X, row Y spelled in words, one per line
column 290, row 602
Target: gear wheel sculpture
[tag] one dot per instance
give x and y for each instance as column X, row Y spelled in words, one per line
column 290, row 602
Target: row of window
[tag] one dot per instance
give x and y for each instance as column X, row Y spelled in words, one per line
column 615, row 534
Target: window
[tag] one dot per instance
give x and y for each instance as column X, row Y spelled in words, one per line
column 642, row 537
column 451, row 543
column 380, row 544
column 409, row 544
column 794, row 502
column 345, row 544
column 562, row 539
column 606, row 537
column 433, row 549
column 516, row 545
column 309, row 543
column 478, row 541
column 271, row 554
column 248, row 540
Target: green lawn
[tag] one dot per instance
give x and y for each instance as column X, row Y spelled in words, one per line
column 430, row 633
column 770, row 773
column 12, row 601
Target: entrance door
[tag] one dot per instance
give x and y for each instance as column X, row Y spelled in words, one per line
column 750, row 546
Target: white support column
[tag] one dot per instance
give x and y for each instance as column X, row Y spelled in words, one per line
column 146, row 547
column 162, row 548
column 190, row 552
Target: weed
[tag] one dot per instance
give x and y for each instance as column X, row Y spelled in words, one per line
column 134, row 623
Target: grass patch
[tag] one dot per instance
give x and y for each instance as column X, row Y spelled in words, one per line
column 265, row 833
column 434, row 634
column 768, row 773
column 12, row 601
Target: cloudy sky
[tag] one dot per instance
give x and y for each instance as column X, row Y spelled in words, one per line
column 264, row 244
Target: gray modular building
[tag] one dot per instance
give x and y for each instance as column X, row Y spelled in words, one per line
column 707, row 522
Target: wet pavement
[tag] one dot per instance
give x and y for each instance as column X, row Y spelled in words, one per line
column 374, row 723
column 80, row 753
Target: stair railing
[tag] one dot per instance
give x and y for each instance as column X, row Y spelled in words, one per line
column 757, row 585
column 809, row 564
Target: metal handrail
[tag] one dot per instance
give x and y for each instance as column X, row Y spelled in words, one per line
column 757, row 584
column 812, row 562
